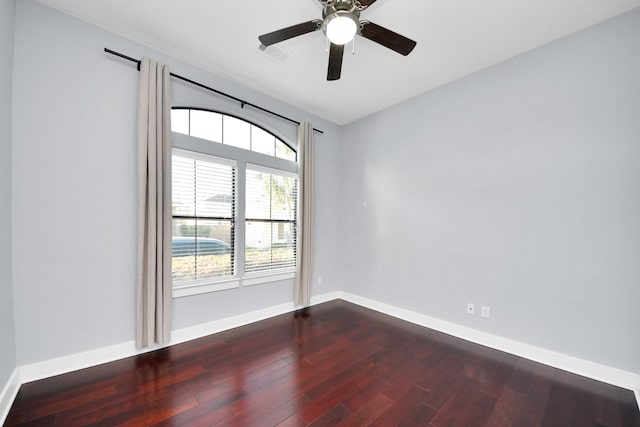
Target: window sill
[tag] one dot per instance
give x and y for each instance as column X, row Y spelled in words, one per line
column 266, row 278
column 204, row 288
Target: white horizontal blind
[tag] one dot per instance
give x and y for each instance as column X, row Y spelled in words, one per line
column 203, row 209
column 270, row 227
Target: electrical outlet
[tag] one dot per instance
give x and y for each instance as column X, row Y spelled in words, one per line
column 471, row 308
column 319, row 280
column 485, row 312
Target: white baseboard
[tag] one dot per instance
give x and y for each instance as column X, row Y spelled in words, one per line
column 73, row 362
column 216, row 326
column 596, row 371
column 8, row 394
column 49, row 368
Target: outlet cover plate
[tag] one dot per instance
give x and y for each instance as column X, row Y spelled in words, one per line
column 485, row 312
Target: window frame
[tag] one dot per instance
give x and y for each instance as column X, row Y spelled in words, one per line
column 291, row 147
column 241, row 157
column 196, row 156
column 294, row 222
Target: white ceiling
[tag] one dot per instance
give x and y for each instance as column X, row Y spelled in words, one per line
column 455, row 38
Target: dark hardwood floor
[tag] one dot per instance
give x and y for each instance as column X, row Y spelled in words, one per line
column 332, row 364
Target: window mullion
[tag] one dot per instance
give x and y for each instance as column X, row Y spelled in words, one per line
column 271, row 185
column 240, row 223
column 195, row 211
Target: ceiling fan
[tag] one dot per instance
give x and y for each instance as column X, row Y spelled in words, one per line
column 341, row 22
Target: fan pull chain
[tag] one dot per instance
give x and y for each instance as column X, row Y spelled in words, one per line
column 353, row 46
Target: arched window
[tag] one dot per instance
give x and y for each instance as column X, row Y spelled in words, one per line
column 230, row 130
column 234, row 203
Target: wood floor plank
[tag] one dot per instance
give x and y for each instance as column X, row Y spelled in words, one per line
column 521, row 376
column 56, row 406
column 336, row 381
column 494, row 374
column 47, row 421
column 368, row 413
column 162, row 409
column 331, row 364
column 203, row 415
column 99, row 409
column 292, row 421
column 537, row 396
column 408, row 408
column 270, row 414
column 340, row 390
column 507, row 410
column 558, row 410
column 445, row 381
column 365, row 393
column 333, row 417
column 629, row 408
column 469, row 407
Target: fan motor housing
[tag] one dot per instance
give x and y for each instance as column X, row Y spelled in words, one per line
column 341, row 5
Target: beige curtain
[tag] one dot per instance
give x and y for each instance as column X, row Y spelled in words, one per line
column 153, row 286
column 302, row 293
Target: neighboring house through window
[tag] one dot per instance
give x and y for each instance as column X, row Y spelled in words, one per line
column 234, row 203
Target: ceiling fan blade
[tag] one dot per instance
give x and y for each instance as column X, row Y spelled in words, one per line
column 387, row 38
column 335, row 61
column 290, row 32
column 367, row 3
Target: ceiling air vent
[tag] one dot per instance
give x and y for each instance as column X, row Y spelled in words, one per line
column 275, row 52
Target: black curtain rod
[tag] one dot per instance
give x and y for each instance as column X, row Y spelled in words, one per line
column 242, row 102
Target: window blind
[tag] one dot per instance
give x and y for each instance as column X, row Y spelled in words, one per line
column 271, row 211
column 203, row 209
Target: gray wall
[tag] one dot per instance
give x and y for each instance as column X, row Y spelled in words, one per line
column 74, row 188
column 517, row 188
column 7, row 337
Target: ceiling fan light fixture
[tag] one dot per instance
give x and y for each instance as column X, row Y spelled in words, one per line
column 341, row 27
column 341, row 23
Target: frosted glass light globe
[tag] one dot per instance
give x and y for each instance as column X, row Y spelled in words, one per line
column 341, row 28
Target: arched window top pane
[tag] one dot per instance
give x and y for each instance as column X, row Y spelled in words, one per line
column 236, row 132
column 262, row 141
column 204, row 124
column 283, row 151
column 229, row 130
